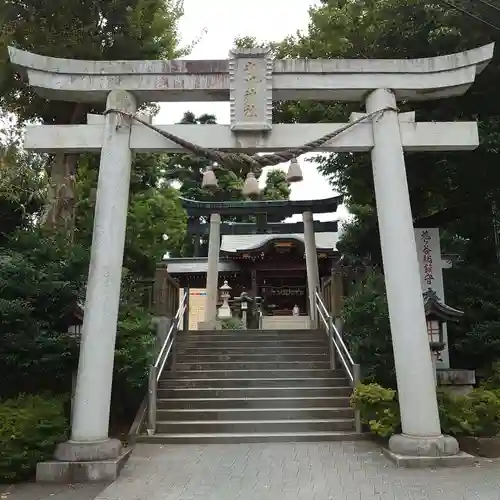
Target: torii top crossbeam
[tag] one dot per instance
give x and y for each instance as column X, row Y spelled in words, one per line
column 251, row 80
column 288, row 79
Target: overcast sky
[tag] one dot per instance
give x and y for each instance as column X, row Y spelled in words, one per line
column 216, row 23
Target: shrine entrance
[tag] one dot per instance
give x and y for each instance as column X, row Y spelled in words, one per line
column 252, row 80
column 267, row 260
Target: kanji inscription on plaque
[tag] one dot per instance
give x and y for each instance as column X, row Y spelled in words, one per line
column 250, row 74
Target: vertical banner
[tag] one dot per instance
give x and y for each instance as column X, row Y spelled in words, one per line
column 431, row 273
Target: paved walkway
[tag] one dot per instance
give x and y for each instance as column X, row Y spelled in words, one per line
column 34, row 491
column 296, row 471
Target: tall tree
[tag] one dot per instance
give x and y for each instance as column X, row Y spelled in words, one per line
column 445, row 191
column 156, row 222
column 78, row 29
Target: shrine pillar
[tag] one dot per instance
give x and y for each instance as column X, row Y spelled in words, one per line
column 421, row 430
column 311, row 266
column 212, row 273
column 90, row 421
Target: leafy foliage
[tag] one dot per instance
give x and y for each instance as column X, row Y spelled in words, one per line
column 38, row 279
column 378, row 407
column 30, row 429
column 475, row 414
column 366, row 323
column 87, row 29
column 233, row 323
column 156, row 222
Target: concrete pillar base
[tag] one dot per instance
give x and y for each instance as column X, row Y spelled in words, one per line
column 85, row 451
column 92, row 471
column 434, row 446
column 421, row 452
column 408, row 462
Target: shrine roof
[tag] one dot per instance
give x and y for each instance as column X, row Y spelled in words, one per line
column 281, row 207
column 239, row 243
column 194, row 265
column 443, row 311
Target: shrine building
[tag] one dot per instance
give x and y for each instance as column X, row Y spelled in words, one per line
column 265, row 259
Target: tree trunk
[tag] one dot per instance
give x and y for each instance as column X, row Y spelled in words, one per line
column 59, row 212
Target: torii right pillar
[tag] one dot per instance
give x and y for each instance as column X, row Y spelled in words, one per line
column 421, row 428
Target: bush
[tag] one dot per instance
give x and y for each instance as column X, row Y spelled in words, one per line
column 378, row 407
column 30, row 429
column 232, row 324
column 134, row 351
column 476, row 414
column 367, row 330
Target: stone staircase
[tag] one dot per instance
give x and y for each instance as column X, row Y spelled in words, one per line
column 252, row 386
column 285, row 323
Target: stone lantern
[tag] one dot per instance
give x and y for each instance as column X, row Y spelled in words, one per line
column 225, row 295
column 244, row 300
column 437, row 313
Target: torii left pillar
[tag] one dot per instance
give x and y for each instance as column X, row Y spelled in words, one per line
column 89, row 445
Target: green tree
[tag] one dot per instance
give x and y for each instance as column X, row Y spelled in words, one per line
column 87, row 29
column 22, row 183
column 156, row 222
column 457, row 191
column 444, row 190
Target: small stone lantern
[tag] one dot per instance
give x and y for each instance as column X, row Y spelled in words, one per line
column 225, row 295
column 437, row 313
column 244, row 300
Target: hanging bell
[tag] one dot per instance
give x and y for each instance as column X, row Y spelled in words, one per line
column 251, row 185
column 294, row 173
column 209, row 179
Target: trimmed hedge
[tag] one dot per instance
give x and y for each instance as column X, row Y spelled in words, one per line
column 476, row 414
column 30, row 428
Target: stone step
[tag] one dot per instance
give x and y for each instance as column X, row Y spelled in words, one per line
column 253, row 365
column 235, row 399
column 304, row 335
column 290, row 331
column 257, row 349
column 249, row 373
column 268, row 392
column 249, row 414
column 244, row 344
column 251, row 357
column 247, row 426
column 215, row 383
column 254, row 437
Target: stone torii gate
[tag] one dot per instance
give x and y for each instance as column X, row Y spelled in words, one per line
column 251, row 81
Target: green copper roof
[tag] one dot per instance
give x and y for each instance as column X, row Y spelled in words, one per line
column 285, row 208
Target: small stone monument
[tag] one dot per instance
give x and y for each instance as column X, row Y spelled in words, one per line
column 224, row 309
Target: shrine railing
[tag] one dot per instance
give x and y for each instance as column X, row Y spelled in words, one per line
column 157, row 368
column 338, row 348
column 165, row 293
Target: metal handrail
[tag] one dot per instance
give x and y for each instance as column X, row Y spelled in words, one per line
column 156, row 369
column 337, row 346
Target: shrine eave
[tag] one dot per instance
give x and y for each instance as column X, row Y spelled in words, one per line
column 433, row 305
column 292, row 79
column 235, row 244
column 285, row 208
column 197, row 265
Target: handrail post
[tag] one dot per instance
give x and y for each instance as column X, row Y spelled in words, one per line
column 333, row 362
column 356, row 369
column 185, row 316
column 152, row 387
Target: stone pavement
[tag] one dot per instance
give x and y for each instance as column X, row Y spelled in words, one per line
column 34, row 491
column 295, row 471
